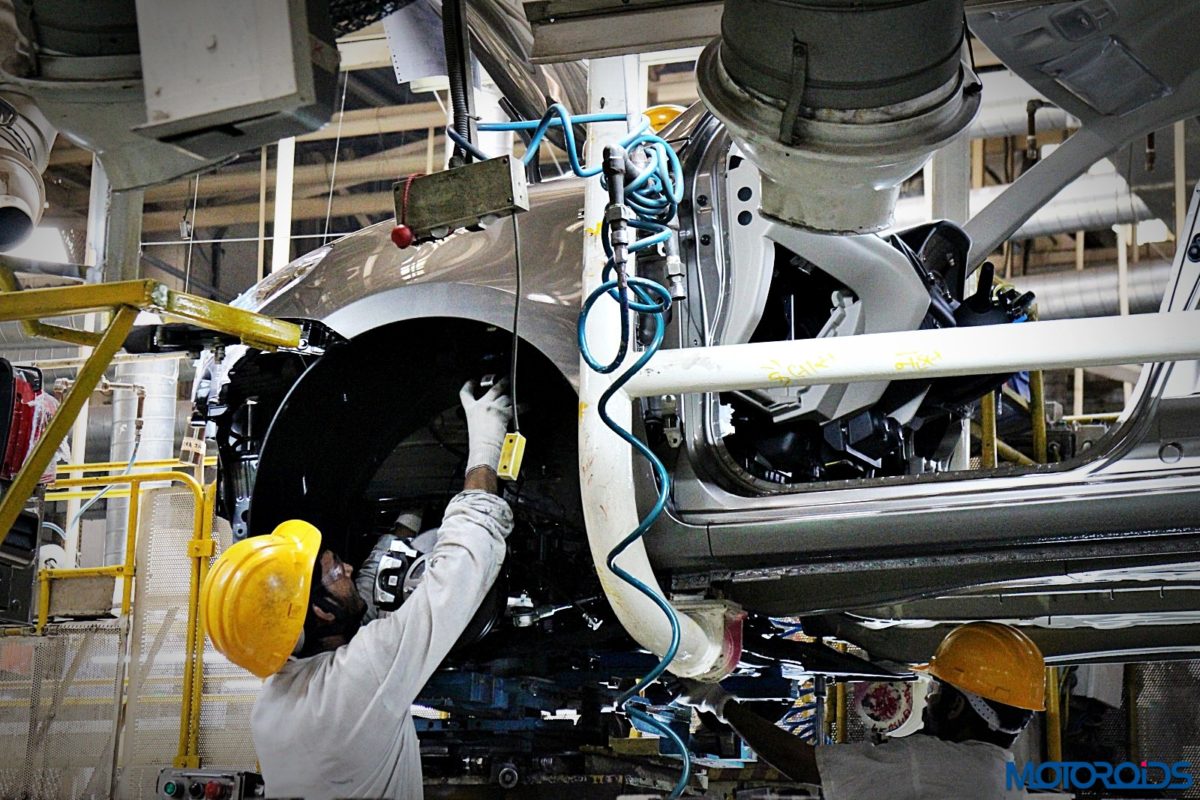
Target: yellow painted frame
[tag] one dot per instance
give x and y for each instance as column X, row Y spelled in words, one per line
column 124, row 299
column 200, row 548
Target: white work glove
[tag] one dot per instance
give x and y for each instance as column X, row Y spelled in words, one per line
column 487, row 423
column 708, row 697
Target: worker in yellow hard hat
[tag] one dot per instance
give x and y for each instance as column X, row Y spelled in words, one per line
column 987, row 679
column 334, row 717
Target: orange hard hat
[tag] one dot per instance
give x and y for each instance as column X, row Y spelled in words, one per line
column 995, row 661
column 255, row 598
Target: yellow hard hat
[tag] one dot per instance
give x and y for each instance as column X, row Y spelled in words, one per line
column 996, row 662
column 661, row 116
column 255, row 598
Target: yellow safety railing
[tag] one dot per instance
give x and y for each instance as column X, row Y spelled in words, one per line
column 200, row 549
column 124, row 300
column 109, row 466
column 65, row 470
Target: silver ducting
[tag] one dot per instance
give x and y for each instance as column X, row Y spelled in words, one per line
column 160, row 379
column 1090, row 203
column 84, row 73
column 25, row 141
column 1094, row 292
column 503, row 43
column 835, row 136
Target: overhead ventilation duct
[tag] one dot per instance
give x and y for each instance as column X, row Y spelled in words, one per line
column 1090, row 203
column 25, row 141
column 1095, row 291
column 838, row 101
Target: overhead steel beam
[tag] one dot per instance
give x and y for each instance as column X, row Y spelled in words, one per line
column 247, row 213
column 566, row 30
column 390, row 163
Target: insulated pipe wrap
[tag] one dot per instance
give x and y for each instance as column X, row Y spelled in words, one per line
column 160, row 377
column 1093, row 292
column 860, row 53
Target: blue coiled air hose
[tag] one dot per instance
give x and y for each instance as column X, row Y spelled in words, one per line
column 653, row 195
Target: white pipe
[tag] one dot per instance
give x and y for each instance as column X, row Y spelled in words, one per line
column 1004, row 111
column 93, row 253
column 1123, row 286
column 605, row 461
column 1092, row 202
column 285, row 168
column 1180, row 152
column 949, row 352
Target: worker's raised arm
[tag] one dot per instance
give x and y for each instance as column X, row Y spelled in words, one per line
column 782, row 750
column 403, row 650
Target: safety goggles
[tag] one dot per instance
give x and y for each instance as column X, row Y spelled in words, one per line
column 335, row 573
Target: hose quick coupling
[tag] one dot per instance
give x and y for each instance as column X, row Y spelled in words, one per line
column 616, row 216
column 614, row 161
column 675, row 278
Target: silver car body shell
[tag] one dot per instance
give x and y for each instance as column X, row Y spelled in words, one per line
column 1125, row 508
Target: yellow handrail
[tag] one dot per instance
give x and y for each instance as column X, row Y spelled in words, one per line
column 124, row 571
column 125, row 300
column 200, row 548
column 108, row 466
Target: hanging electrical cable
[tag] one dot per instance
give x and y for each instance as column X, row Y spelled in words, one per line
column 456, row 39
column 337, row 147
column 644, row 203
column 189, row 228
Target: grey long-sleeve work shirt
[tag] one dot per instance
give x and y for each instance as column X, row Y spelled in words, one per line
column 339, row 724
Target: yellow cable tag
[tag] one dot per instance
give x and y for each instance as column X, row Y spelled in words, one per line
column 511, row 453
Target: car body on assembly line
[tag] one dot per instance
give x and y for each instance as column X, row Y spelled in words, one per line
column 850, row 506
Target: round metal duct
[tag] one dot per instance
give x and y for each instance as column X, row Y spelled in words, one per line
column 853, row 54
column 25, row 141
column 837, row 102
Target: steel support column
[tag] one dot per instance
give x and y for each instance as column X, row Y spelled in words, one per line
column 281, row 233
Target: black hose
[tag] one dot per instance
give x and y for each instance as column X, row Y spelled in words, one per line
column 456, row 72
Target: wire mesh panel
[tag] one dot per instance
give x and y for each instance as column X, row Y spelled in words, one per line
column 60, row 692
column 229, row 695
column 158, row 657
column 1168, row 727
column 159, row 638
column 58, row 712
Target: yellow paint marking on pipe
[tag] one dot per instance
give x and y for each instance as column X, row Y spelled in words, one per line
column 784, row 374
column 913, row 360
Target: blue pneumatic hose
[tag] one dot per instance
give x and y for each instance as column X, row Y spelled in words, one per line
column 653, row 195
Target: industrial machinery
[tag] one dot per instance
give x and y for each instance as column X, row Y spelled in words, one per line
column 784, row 498
column 848, row 505
column 209, row 784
